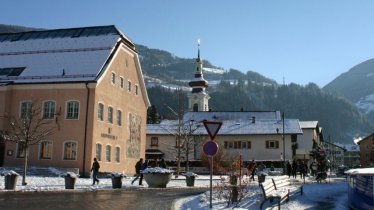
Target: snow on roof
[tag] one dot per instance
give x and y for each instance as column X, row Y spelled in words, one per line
column 308, row 124
column 233, row 127
column 49, row 55
column 361, row 171
column 219, row 116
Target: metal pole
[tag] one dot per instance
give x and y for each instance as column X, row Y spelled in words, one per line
column 284, row 147
column 211, row 182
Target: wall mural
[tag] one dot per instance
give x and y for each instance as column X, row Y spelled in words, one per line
column 133, row 143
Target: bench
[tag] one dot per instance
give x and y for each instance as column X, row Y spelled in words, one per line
column 279, row 189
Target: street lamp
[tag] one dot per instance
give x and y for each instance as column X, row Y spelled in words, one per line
column 284, row 146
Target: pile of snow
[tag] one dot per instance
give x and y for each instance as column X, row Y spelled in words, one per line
column 9, row 173
column 189, row 174
column 70, row 174
column 157, row 170
column 115, row 174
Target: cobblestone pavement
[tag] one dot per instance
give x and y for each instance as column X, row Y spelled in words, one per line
column 154, row 199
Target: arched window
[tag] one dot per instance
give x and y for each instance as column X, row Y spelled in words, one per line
column 195, row 107
column 98, row 151
column 45, row 150
column 70, row 150
column 100, row 112
column 108, row 152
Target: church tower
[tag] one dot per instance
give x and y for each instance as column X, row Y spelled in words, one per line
column 198, row 98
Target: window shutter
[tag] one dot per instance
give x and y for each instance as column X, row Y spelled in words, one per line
column 267, row 144
column 276, row 144
column 249, row 145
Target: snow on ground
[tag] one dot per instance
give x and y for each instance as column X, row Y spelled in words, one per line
column 331, row 195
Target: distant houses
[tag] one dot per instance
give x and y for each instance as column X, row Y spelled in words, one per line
column 367, row 151
column 88, row 82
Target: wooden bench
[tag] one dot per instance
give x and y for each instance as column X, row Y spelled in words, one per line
column 279, row 189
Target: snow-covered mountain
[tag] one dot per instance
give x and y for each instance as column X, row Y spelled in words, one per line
column 357, row 85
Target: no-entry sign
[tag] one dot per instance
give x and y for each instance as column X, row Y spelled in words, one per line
column 210, row 148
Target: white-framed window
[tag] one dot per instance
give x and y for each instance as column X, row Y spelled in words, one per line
column 110, row 114
column 136, row 90
column 129, row 86
column 70, row 150
column 49, row 108
column 119, row 117
column 113, row 78
column 98, row 151
column 26, row 109
column 45, row 150
column 118, row 154
column 72, row 110
column 108, row 153
column 122, row 82
column 100, row 112
column 154, row 141
column 21, row 150
column 272, row 144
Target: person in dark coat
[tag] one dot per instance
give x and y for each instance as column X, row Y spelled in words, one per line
column 95, row 171
column 143, row 167
column 289, row 169
column 162, row 163
column 138, row 166
column 252, row 169
column 294, row 169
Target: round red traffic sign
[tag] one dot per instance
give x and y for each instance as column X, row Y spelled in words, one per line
column 210, row 148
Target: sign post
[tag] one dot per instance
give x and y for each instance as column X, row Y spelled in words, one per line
column 210, row 148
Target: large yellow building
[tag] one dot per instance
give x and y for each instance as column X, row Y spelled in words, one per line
column 89, row 83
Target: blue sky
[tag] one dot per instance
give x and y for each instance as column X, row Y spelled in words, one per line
column 301, row 41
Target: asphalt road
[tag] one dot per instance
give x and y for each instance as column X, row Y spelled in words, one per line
column 111, row 200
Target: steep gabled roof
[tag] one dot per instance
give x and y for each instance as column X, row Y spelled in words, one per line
column 61, row 55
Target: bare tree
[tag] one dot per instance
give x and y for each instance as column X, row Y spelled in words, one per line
column 30, row 128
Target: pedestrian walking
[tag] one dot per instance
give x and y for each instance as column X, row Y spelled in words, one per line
column 95, row 171
column 142, row 168
column 252, row 170
column 289, row 169
column 138, row 166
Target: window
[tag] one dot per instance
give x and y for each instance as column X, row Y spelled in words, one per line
column 98, row 152
column 231, row 145
column 100, row 112
column 272, row 144
column 21, row 150
column 70, row 150
column 195, row 107
column 107, row 152
column 45, row 150
column 126, row 63
column 26, row 108
column 119, row 117
column 118, row 153
column 129, row 86
column 113, row 78
column 49, row 109
column 154, row 141
column 110, row 114
column 72, row 110
column 122, row 82
column 136, row 89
